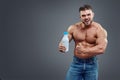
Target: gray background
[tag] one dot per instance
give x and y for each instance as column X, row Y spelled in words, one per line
column 31, row 29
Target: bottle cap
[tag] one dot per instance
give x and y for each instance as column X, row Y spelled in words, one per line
column 65, row 33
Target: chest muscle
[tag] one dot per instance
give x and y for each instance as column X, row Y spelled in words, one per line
column 85, row 35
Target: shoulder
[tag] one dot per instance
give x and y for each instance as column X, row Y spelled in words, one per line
column 100, row 28
column 72, row 27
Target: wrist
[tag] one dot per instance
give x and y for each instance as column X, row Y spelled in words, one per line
column 87, row 50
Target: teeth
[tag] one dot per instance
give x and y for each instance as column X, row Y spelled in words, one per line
column 87, row 20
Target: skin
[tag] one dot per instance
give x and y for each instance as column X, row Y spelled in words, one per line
column 90, row 37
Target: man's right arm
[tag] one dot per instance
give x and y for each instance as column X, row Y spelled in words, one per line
column 70, row 33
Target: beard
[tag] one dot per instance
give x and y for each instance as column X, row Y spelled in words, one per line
column 87, row 22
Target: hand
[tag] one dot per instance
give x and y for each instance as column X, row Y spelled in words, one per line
column 81, row 49
column 62, row 48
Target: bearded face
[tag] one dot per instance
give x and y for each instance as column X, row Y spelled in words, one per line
column 86, row 17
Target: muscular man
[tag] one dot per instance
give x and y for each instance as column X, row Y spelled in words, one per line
column 90, row 40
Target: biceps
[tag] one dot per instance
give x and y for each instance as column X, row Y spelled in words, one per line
column 102, row 38
column 102, row 42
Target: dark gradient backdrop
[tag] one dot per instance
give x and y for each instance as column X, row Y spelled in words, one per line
column 31, row 29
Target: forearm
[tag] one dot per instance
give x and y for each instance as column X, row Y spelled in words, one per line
column 90, row 51
column 96, row 50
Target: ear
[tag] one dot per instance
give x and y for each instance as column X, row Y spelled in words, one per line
column 93, row 14
column 79, row 16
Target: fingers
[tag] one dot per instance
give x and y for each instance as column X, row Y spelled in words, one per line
column 78, row 47
column 79, row 44
column 62, row 47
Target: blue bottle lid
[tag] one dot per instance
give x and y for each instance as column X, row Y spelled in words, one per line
column 65, row 33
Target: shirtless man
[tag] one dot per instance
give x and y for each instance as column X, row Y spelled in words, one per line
column 90, row 40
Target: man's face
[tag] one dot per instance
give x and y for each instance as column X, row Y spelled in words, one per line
column 86, row 16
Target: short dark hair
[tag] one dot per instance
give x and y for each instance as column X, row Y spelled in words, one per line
column 85, row 7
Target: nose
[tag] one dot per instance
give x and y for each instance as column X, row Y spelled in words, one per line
column 86, row 17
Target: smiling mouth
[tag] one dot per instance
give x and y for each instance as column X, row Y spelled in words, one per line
column 87, row 22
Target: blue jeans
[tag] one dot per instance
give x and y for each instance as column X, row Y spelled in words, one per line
column 83, row 69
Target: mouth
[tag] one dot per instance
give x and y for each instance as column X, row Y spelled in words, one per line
column 87, row 22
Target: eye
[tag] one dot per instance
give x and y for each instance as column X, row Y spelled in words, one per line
column 88, row 14
column 83, row 15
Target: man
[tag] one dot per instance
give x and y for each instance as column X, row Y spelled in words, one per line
column 90, row 40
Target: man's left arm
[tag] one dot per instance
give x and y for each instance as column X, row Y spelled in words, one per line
column 100, row 47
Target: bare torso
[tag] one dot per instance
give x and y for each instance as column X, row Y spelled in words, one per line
column 84, row 36
column 89, row 40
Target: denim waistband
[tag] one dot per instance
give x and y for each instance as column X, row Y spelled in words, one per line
column 84, row 60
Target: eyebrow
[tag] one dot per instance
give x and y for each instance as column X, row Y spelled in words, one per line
column 86, row 14
column 89, row 14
